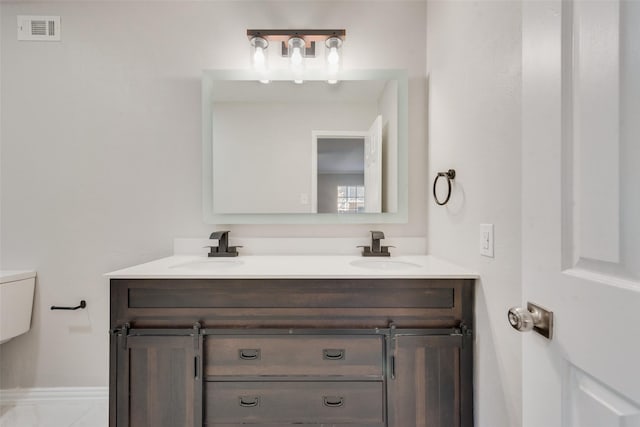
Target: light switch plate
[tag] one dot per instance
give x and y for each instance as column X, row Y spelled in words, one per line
column 486, row 240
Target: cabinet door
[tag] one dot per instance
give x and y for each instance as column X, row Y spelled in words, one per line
column 158, row 380
column 430, row 381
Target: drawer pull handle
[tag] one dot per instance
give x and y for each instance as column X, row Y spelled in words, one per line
column 249, row 401
column 249, row 353
column 333, row 401
column 333, row 354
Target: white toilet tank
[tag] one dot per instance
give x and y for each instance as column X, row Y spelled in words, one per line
column 16, row 303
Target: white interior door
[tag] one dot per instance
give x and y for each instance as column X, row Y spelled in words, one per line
column 373, row 168
column 581, row 211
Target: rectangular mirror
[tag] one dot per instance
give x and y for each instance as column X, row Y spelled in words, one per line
column 305, row 153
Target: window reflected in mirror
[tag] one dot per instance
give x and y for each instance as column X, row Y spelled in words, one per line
column 350, row 198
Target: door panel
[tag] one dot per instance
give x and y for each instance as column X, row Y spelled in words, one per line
column 594, row 147
column 580, row 220
column 593, row 404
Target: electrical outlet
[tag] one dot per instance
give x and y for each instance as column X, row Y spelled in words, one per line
column 486, row 240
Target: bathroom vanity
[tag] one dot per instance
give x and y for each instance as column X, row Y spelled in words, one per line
column 290, row 340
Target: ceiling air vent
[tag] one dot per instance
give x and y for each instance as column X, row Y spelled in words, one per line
column 39, row 28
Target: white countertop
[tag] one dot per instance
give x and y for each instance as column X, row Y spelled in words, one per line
column 295, row 267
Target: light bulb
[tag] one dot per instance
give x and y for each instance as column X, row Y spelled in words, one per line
column 259, row 55
column 259, row 59
column 296, row 54
column 298, row 82
column 332, row 82
column 333, row 58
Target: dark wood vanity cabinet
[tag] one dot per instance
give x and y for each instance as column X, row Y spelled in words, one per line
column 278, row 352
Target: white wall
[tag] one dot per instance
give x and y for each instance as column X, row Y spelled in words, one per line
column 101, row 142
column 474, row 63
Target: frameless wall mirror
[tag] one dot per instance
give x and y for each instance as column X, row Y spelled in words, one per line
column 287, row 153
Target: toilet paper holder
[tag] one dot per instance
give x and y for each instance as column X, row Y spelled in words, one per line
column 83, row 304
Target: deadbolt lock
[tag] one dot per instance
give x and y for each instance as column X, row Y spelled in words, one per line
column 533, row 318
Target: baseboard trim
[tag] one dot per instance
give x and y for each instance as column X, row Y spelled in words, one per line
column 33, row 395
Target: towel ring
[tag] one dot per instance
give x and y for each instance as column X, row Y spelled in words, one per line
column 450, row 174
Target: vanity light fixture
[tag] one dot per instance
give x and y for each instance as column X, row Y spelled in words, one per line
column 297, row 45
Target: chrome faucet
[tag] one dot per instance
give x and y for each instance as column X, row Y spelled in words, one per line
column 223, row 249
column 376, row 249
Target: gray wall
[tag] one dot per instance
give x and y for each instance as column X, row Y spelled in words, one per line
column 101, row 142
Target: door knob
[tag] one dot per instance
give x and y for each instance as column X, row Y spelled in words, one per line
column 533, row 318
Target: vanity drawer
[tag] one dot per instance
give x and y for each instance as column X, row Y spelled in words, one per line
column 299, row 402
column 286, row 355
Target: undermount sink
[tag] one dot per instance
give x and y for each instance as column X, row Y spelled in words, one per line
column 209, row 264
column 384, row 264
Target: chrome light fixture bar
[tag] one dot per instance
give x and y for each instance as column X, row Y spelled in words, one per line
column 297, row 45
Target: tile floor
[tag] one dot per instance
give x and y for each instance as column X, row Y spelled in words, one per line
column 88, row 413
